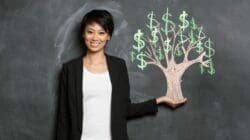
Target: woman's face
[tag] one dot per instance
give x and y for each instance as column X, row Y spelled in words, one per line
column 95, row 37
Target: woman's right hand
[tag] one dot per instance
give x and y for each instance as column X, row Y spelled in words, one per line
column 170, row 102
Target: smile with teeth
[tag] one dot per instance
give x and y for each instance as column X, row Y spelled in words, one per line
column 94, row 44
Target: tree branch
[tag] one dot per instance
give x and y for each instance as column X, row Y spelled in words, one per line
column 150, row 57
column 175, row 34
column 156, row 64
column 191, row 47
column 162, row 43
column 153, row 50
column 199, row 59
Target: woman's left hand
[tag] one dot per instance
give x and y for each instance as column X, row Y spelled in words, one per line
column 170, row 102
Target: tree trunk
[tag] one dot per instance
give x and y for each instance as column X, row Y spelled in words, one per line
column 174, row 85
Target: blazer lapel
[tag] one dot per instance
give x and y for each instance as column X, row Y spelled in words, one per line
column 113, row 78
column 79, row 94
column 112, row 72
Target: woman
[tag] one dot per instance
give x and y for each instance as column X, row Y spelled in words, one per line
column 94, row 101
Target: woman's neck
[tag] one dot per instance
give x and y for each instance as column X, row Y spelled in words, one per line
column 95, row 58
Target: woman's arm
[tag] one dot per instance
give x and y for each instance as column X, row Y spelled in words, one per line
column 142, row 108
column 146, row 107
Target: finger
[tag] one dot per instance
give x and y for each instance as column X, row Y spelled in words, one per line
column 185, row 99
column 182, row 101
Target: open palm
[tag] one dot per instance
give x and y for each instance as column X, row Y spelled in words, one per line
column 170, row 102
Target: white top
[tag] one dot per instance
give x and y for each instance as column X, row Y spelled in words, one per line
column 96, row 106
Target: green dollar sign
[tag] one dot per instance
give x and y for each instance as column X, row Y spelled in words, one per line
column 211, row 51
column 193, row 24
column 202, row 69
column 178, row 51
column 143, row 63
column 167, row 46
column 191, row 37
column 201, row 34
column 132, row 56
column 153, row 27
column 165, row 18
column 160, row 54
column 211, row 69
column 155, row 37
column 199, row 48
column 140, row 43
column 182, row 37
column 152, row 21
column 184, row 21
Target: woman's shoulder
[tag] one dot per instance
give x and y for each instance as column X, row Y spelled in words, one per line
column 73, row 62
column 115, row 58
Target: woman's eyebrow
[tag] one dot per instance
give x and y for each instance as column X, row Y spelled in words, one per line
column 89, row 28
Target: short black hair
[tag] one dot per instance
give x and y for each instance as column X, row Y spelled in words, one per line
column 101, row 17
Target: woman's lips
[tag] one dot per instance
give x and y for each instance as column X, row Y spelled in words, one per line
column 94, row 44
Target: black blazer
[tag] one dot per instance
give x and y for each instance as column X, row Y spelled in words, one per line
column 69, row 118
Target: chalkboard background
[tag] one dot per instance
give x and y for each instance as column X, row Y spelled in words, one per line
column 36, row 37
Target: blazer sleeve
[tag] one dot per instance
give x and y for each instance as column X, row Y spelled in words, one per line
column 137, row 109
column 62, row 128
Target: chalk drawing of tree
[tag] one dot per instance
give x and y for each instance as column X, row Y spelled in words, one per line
column 169, row 46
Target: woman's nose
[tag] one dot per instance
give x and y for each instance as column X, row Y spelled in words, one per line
column 95, row 36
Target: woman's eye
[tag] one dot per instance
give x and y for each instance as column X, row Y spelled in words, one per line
column 102, row 33
column 89, row 32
